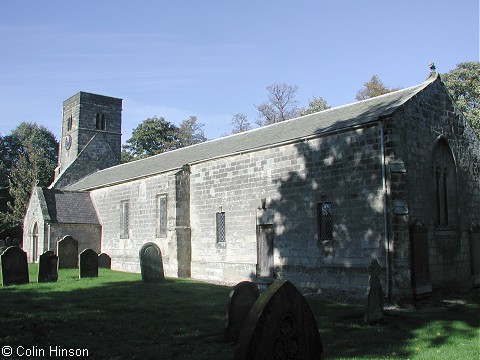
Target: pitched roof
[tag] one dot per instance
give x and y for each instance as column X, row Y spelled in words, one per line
column 316, row 124
column 70, row 207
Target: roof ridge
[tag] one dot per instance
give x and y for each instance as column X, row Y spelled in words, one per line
column 315, row 124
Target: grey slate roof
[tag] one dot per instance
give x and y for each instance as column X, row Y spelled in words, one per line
column 357, row 113
column 70, row 207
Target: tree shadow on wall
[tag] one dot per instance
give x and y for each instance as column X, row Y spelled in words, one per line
column 329, row 214
column 345, row 171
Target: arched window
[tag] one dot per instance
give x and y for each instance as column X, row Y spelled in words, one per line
column 104, row 122
column 445, row 185
column 69, row 123
column 35, row 242
column 98, row 124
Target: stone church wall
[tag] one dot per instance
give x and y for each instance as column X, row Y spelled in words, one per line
column 343, row 169
column 87, row 235
column 141, row 196
column 412, row 136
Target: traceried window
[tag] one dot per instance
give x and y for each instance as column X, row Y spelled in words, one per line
column 161, row 226
column 444, row 185
column 124, row 219
column 220, row 222
column 324, row 221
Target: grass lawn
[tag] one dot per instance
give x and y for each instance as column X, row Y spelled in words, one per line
column 117, row 316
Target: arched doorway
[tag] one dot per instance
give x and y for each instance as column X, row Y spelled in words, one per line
column 35, row 242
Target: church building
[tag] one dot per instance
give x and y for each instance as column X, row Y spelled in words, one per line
column 312, row 199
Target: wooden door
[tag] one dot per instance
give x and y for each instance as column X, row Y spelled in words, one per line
column 265, row 251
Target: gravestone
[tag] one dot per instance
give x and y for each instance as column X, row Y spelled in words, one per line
column 240, row 302
column 280, row 325
column 14, row 266
column 3, row 246
column 374, row 297
column 67, row 251
column 47, row 267
column 421, row 282
column 104, row 261
column 151, row 263
column 475, row 252
column 88, row 263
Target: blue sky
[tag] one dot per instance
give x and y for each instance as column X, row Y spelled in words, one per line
column 213, row 59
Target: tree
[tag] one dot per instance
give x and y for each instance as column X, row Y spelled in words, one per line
column 157, row 135
column 240, row 123
column 372, row 88
column 315, row 104
column 5, row 167
column 463, row 83
column 29, row 156
column 281, row 104
column 190, row 132
column 153, row 136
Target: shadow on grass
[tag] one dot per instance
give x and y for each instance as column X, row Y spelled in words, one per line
column 442, row 331
column 117, row 316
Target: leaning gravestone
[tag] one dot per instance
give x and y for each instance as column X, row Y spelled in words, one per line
column 240, row 302
column 374, row 297
column 47, row 267
column 14, row 266
column 67, row 251
column 88, row 263
column 280, row 325
column 104, row 261
column 151, row 264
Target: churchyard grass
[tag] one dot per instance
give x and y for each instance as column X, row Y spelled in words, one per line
column 117, row 316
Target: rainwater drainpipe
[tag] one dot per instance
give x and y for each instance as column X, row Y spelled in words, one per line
column 385, row 223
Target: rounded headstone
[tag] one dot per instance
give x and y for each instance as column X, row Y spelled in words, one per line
column 240, row 302
column 151, row 263
column 88, row 263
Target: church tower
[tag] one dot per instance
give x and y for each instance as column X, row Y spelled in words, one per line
column 91, row 136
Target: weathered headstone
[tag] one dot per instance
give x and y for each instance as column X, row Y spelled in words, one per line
column 374, row 299
column 151, row 263
column 3, row 246
column 475, row 252
column 421, row 283
column 104, row 261
column 14, row 266
column 240, row 302
column 67, row 251
column 88, row 263
column 47, row 267
column 280, row 325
